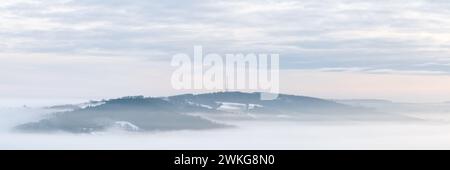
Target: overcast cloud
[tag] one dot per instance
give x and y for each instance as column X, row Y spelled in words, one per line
column 374, row 37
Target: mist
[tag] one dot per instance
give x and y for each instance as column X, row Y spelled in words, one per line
column 429, row 131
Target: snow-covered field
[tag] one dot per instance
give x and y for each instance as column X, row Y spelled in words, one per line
column 433, row 134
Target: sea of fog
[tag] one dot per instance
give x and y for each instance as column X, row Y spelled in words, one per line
column 431, row 134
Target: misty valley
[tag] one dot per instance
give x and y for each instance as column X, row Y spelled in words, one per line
column 191, row 112
column 228, row 120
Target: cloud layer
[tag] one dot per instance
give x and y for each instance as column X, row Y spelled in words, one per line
column 378, row 34
column 376, row 37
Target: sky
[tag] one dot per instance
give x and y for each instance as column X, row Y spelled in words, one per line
column 92, row 49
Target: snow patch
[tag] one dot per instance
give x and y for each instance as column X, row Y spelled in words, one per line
column 124, row 125
column 228, row 106
column 200, row 105
column 91, row 104
column 254, row 106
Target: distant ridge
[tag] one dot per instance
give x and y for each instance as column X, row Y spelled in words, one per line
column 138, row 113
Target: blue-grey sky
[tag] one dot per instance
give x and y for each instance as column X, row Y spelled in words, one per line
column 90, row 48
